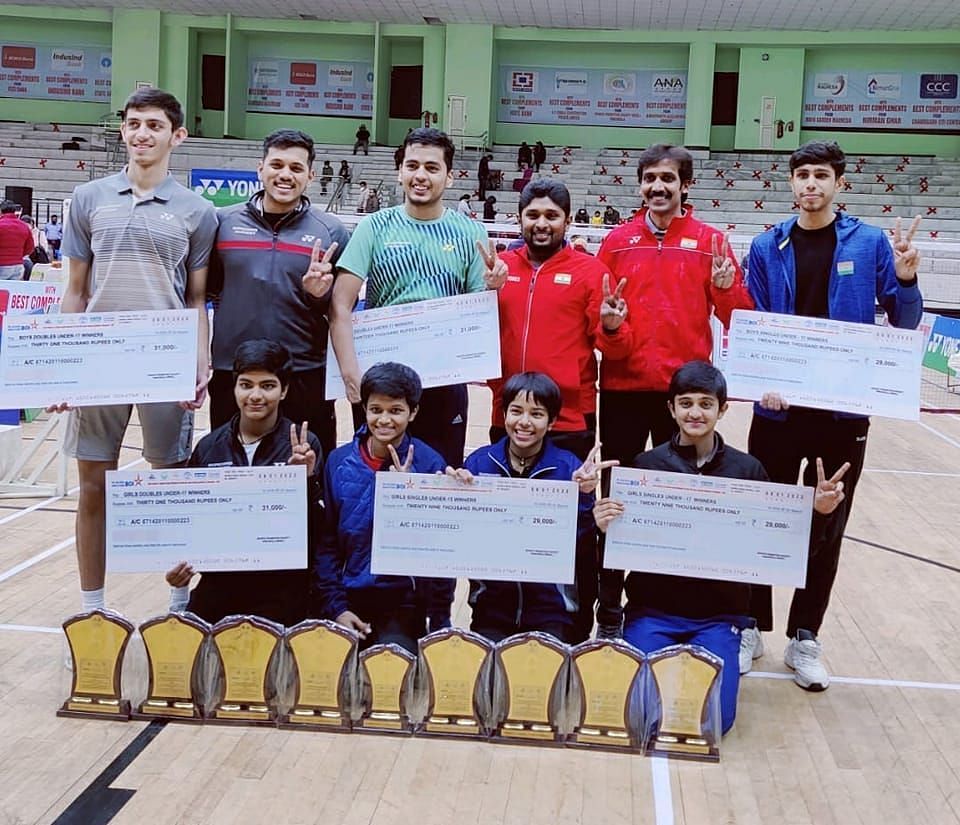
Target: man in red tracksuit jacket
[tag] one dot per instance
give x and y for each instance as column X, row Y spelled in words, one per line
column 556, row 307
column 678, row 272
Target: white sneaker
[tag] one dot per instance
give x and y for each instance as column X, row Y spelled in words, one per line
column 802, row 656
column 751, row 647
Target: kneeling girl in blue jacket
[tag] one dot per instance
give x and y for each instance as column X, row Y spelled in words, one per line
column 531, row 403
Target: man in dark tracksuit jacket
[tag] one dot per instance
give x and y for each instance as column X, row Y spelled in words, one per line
column 264, row 251
column 502, row 608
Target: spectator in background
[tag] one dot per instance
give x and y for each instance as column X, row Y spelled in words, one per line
column 54, row 234
column 326, row 175
column 489, row 208
column 523, row 180
column 344, row 172
column 363, row 140
column 539, row 155
column 524, row 156
column 483, row 176
column 611, row 217
column 16, row 242
column 582, row 216
column 463, row 206
column 597, row 219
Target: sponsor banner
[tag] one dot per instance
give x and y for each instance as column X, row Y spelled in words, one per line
column 38, row 71
column 310, row 87
column 592, row 97
column 881, row 100
column 943, row 345
column 223, row 187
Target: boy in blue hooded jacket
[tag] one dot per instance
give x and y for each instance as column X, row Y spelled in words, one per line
column 382, row 609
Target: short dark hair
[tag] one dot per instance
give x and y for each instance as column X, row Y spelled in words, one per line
column 698, row 376
column 427, row 136
column 545, row 188
column 287, row 138
column 263, row 354
column 149, row 98
column 538, row 385
column 820, row 151
column 660, row 152
column 392, row 380
column 7, row 207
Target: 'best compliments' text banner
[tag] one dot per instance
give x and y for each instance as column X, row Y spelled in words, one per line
column 592, row 97
column 37, row 71
column 310, row 87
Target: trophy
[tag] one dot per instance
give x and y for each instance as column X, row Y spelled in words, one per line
column 97, row 643
column 246, row 645
column 531, row 681
column 386, row 671
column 324, row 660
column 456, row 669
column 685, row 686
column 608, row 677
column 173, row 643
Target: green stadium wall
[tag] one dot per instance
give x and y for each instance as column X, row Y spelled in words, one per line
column 166, row 48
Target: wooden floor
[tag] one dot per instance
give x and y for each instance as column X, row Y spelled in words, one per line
column 881, row 745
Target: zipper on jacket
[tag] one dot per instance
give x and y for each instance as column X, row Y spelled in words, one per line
column 519, row 603
column 526, row 319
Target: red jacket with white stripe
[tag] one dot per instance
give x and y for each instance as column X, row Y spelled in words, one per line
column 670, row 296
column 550, row 322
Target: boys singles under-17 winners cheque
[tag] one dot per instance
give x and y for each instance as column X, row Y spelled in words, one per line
column 710, row 527
column 832, row 365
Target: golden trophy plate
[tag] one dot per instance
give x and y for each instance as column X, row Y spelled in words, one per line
column 454, row 662
column 97, row 641
column 684, row 678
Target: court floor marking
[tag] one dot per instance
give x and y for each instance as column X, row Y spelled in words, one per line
column 912, row 473
column 662, row 792
column 939, row 434
column 47, row 502
column 25, row 565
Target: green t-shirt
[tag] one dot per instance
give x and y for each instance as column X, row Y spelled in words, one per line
column 404, row 260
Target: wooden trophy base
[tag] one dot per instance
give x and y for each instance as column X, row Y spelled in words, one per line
column 529, row 733
column 173, row 710
column 88, row 707
column 672, row 746
column 327, row 719
column 613, row 740
column 227, row 713
column 453, row 727
column 379, row 722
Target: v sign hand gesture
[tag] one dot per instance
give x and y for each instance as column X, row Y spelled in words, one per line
column 613, row 309
column 396, row 466
column 587, row 475
column 829, row 492
column 906, row 257
column 300, row 450
column 723, row 270
column 318, row 278
column 495, row 274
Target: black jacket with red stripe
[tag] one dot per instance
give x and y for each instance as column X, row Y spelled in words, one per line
column 256, row 271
